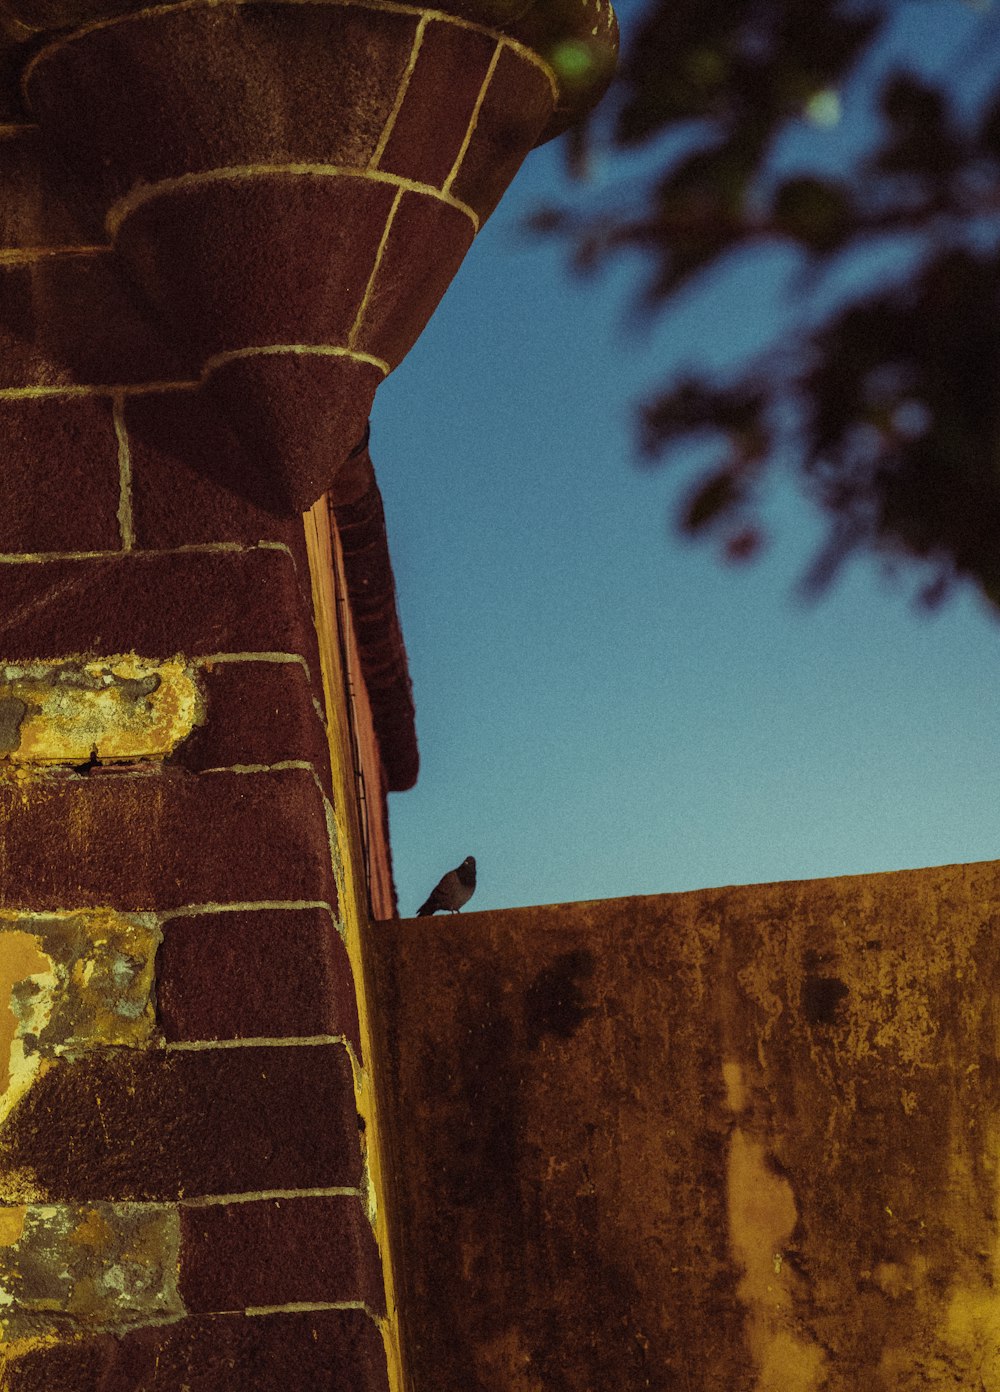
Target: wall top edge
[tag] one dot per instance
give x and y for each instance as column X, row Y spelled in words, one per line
column 577, row 40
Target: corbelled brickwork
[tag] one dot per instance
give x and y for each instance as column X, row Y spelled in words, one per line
column 258, row 206
column 220, row 226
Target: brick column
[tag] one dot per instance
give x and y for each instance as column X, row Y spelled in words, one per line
column 220, row 225
column 185, row 1187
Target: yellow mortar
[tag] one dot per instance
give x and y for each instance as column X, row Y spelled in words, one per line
column 117, row 708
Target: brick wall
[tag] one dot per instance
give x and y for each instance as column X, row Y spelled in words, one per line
column 220, row 225
column 226, row 1128
column 185, row 1191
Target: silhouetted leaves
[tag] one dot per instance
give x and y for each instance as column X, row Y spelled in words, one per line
column 694, row 406
column 815, row 212
column 989, row 128
column 746, row 65
column 901, row 443
column 716, row 496
column 889, row 403
column 922, row 141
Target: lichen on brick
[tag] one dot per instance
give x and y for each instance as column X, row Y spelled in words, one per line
column 71, row 981
column 87, row 1266
column 113, row 709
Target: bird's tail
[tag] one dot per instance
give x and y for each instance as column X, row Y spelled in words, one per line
column 426, row 909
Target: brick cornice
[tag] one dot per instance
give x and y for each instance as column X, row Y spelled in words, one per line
column 263, row 202
column 543, row 27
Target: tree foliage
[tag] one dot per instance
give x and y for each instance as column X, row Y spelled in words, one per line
column 886, row 398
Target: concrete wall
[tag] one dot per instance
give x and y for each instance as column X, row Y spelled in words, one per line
column 728, row 1140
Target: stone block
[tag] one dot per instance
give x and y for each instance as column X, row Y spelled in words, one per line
column 57, row 449
column 83, row 1267
column 189, row 468
column 159, row 605
column 268, row 1252
column 147, row 840
column 165, row 1125
column 180, row 91
column 116, row 709
column 268, row 258
column 71, row 982
column 35, row 211
column 336, row 1350
column 518, row 104
column 256, row 713
column 426, row 245
column 70, row 320
column 441, row 95
column 269, row 396
column 255, row 974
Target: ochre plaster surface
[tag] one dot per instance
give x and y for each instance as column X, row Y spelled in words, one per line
column 738, row 1140
column 70, row 981
column 81, row 1267
column 117, row 709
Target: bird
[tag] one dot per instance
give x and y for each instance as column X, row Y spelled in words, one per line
column 452, row 890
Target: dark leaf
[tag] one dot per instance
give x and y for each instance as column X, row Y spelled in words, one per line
column 989, row 128
column 744, row 545
column 816, row 212
column 714, row 496
column 547, row 219
column 695, row 407
column 922, row 141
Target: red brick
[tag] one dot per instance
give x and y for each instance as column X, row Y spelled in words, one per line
column 189, row 471
column 440, row 99
column 515, row 111
column 71, row 320
column 160, row 1126
column 426, row 245
column 278, row 1252
column 151, row 840
column 275, row 259
column 299, row 415
column 72, row 1365
column 60, row 475
column 34, row 211
column 255, row 974
column 256, row 713
column 314, row 1351
column 11, row 106
column 312, row 84
column 193, row 602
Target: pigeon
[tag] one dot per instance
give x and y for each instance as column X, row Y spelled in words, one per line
column 452, row 890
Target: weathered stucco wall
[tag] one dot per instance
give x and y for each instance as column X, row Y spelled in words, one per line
column 728, row 1140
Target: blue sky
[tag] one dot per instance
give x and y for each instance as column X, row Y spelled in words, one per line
column 604, row 709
